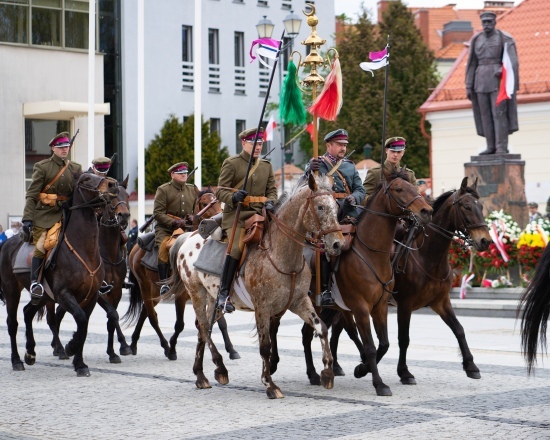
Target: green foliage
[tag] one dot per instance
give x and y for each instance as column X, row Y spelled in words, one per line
column 174, row 144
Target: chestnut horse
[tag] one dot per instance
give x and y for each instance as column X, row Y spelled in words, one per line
column 113, row 222
column 75, row 279
column 424, row 279
column 275, row 276
column 534, row 309
column 145, row 294
column 365, row 275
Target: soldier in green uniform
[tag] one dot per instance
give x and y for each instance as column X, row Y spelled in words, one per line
column 395, row 149
column 174, row 203
column 260, row 191
column 348, row 191
column 52, row 184
column 100, row 166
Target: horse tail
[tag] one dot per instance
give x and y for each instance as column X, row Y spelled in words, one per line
column 40, row 314
column 136, row 303
column 534, row 308
column 177, row 288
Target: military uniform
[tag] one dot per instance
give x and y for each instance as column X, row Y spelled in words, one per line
column 261, row 184
column 373, row 177
column 342, row 188
column 44, row 216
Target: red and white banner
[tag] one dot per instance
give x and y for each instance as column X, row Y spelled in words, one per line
column 507, row 79
column 269, row 129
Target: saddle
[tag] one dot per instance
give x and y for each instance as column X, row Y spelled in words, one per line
column 211, row 227
column 147, row 243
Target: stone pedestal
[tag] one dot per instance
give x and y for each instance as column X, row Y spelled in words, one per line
column 501, row 184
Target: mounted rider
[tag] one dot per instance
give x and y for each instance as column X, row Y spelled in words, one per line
column 260, row 192
column 52, row 184
column 100, row 166
column 173, row 209
column 348, row 191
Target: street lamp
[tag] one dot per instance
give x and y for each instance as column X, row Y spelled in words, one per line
column 367, row 150
column 292, row 23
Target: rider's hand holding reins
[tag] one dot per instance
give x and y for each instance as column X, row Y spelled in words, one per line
column 239, row 196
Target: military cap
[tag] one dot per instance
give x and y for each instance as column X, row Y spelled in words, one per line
column 61, row 140
column 488, row 15
column 178, row 168
column 250, row 134
column 533, row 205
column 396, row 143
column 102, row 164
column 339, row 135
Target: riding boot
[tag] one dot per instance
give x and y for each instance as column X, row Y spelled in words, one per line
column 164, row 271
column 105, row 288
column 229, row 268
column 326, row 272
column 37, row 291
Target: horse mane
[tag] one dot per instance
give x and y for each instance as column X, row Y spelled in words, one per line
column 437, row 203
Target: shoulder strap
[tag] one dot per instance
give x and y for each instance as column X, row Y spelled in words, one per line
column 256, row 165
column 335, row 170
column 49, row 185
column 346, row 187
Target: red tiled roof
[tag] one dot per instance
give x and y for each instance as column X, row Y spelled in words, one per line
column 529, row 24
column 366, row 163
column 289, row 169
column 450, row 52
column 134, row 196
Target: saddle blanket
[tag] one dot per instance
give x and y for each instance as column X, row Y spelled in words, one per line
column 211, row 258
column 150, row 259
column 23, row 258
column 337, row 295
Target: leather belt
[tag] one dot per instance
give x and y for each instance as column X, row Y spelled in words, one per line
column 339, row 195
column 254, row 199
column 488, row 61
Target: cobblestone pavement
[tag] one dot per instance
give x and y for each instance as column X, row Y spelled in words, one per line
column 149, row 397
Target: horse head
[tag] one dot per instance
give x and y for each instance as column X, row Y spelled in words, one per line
column 94, row 191
column 116, row 212
column 403, row 196
column 321, row 216
column 207, row 204
column 469, row 215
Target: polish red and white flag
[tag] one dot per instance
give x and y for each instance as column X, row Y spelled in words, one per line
column 507, row 79
column 269, row 129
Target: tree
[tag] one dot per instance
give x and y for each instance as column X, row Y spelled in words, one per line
column 175, row 143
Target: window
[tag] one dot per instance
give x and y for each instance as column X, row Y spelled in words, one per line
column 187, row 43
column 14, row 22
column 239, row 49
column 46, row 23
column 240, row 126
column 213, row 46
column 38, row 133
column 76, row 24
column 215, row 126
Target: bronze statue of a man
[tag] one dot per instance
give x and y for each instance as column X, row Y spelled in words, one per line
column 483, row 75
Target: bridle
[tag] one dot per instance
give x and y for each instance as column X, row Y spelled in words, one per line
column 98, row 201
column 403, row 206
column 113, row 221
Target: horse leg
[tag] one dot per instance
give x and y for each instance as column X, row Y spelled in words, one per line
column 362, row 318
column 403, row 326
column 54, row 318
column 29, row 311
column 263, row 330
column 448, row 315
column 114, row 299
column 112, row 320
column 179, row 324
column 337, row 326
column 12, row 304
column 307, row 337
column 274, row 357
column 137, row 330
column 222, row 325
column 304, row 309
column 149, row 305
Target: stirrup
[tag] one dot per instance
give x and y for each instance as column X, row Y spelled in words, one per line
column 105, row 288
column 326, row 299
column 128, row 284
column 33, row 290
column 165, row 288
column 226, row 306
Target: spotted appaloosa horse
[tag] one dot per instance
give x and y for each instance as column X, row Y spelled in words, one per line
column 276, row 278
column 113, row 221
column 145, row 294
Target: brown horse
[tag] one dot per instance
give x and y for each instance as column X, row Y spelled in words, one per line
column 113, row 222
column 75, row 279
column 424, row 279
column 276, row 278
column 534, row 309
column 145, row 294
column 365, row 276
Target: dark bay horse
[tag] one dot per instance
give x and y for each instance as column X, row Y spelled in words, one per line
column 275, row 277
column 534, row 309
column 365, row 275
column 145, row 294
column 112, row 223
column 74, row 280
column 424, row 279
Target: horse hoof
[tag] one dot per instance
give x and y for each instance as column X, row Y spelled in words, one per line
column 30, row 359
column 361, row 371
column 134, row 350
column 473, row 374
column 327, row 379
column 408, row 381
column 234, row 355
column 314, row 379
column 172, row 356
column 203, row 384
column 125, row 351
column 338, row 371
column 221, row 378
column 82, row 372
column 114, row 359
column 18, row 366
column 383, row 390
column 274, row 393
column 68, row 351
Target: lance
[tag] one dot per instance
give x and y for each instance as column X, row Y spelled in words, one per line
column 250, row 160
column 268, row 153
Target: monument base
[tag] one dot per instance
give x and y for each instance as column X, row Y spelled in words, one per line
column 501, row 184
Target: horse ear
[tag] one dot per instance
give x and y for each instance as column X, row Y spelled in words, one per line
column 474, row 186
column 312, row 182
column 125, row 182
column 464, row 184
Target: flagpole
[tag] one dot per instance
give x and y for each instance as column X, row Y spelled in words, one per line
column 385, row 105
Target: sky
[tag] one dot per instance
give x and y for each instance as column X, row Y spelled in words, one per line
column 352, row 7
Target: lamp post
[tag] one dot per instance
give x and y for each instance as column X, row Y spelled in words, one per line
column 292, row 23
column 367, row 150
